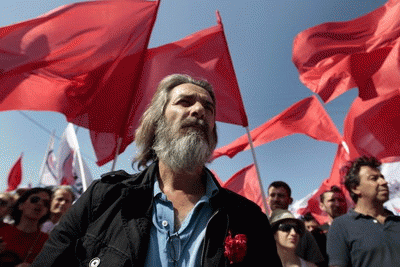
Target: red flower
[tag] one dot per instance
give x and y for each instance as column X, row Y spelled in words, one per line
column 235, row 248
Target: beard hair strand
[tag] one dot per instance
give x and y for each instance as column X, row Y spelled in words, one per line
column 182, row 153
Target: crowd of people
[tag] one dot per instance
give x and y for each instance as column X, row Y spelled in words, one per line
column 174, row 212
column 26, row 218
column 368, row 235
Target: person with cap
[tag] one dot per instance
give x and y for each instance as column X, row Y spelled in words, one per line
column 287, row 231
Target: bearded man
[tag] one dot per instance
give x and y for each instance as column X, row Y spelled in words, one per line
column 173, row 212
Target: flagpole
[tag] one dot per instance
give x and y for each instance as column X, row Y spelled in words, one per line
column 264, row 198
column 119, row 143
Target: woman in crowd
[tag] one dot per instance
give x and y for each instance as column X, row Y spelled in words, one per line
column 24, row 240
column 287, row 231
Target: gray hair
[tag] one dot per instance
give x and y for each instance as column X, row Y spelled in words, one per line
column 66, row 188
column 145, row 134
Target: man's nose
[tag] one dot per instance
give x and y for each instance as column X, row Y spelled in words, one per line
column 383, row 181
column 198, row 110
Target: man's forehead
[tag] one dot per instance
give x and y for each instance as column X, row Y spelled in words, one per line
column 333, row 195
column 190, row 90
column 62, row 192
column 280, row 190
column 367, row 171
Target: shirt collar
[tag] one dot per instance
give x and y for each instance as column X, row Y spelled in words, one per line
column 357, row 215
column 211, row 188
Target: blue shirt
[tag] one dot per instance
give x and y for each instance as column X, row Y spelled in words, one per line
column 184, row 247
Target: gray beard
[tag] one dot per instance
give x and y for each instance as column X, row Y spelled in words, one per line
column 183, row 154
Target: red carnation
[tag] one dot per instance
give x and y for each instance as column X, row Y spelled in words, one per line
column 235, row 248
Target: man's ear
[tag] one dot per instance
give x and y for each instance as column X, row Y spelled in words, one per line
column 356, row 191
column 290, row 201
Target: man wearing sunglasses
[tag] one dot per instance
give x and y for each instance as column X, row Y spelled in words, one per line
column 369, row 234
column 173, row 213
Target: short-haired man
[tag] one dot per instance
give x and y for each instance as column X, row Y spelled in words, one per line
column 279, row 197
column 369, row 234
column 333, row 202
column 310, row 222
column 173, row 213
column 61, row 201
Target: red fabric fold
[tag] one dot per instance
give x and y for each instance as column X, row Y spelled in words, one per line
column 306, row 116
column 15, row 175
column 245, row 183
column 372, row 127
column 335, row 57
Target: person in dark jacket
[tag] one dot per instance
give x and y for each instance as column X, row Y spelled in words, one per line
column 172, row 213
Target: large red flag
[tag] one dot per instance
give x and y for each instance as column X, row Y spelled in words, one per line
column 15, row 175
column 246, row 184
column 306, row 116
column 372, row 127
column 337, row 56
column 80, row 60
column 336, row 178
column 205, row 55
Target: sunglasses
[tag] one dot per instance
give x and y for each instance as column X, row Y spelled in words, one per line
column 286, row 227
column 3, row 203
column 36, row 199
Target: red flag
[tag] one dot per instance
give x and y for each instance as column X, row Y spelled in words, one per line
column 336, row 178
column 245, row 183
column 337, row 56
column 306, row 116
column 80, row 60
column 372, row 127
column 205, row 55
column 15, row 175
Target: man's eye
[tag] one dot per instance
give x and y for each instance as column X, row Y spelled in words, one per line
column 184, row 102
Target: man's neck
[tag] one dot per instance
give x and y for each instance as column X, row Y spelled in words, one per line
column 184, row 190
column 188, row 183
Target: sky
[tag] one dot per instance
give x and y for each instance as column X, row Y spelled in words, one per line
column 260, row 34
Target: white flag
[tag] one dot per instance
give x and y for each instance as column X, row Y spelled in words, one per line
column 391, row 171
column 47, row 175
column 71, row 169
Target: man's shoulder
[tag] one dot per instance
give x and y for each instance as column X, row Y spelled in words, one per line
column 235, row 200
column 343, row 222
column 115, row 177
column 114, row 182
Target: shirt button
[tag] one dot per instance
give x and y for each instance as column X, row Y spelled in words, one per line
column 94, row 262
column 375, row 221
column 164, row 223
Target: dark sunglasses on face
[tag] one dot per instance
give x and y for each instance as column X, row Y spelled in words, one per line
column 3, row 202
column 285, row 227
column 36, row 199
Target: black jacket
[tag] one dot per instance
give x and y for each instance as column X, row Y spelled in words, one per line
column 110, row 224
